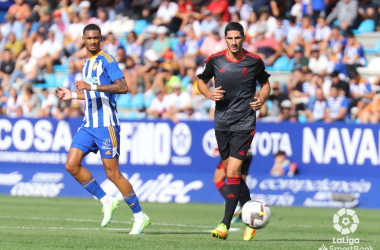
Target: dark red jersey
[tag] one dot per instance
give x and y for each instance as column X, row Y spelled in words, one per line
column 238, row 80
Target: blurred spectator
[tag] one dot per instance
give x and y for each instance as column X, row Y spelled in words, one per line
column 353, row 55
column 11, row 107
column 266, row 47
column 360, row 90
column 243, row 9
column 147, row 42
column 149, row 69
column 273, row 106
column 103, row 22
column 176, row 101
column 212, row 44
column 283, row 165
column 111, row 44
column 337, row 41
column 337, row 106
column 188, row 114
column 335, row 62
column 45, row 22
column 165, row 13
column 371, row 113
column 7, row 66
column 49, row 103
column 73, row 76
column 322, row 31
column 286, row 111
column 317, row 61
column 133, row 49
column 317, row 107
column 29, row 102
column 219, row 7
column 252, row 25
column 208, row 24
column 75, row 109
column 301, row 61
column 73, row 40
column 343, row 86
column 53, row 51
column 317, row 8
column 266, row 21
column 294, row 31
column 20, row 10
column 157, row 106
column 280, row 31
column 235, row 17
column 59, row 27
column 12, row 26
column 307, row 37
column 296, row 10
column 162, row 42
column 256, row 4
column 26, row 69
column 345, row 12
column 3, row 102
column 15, row 46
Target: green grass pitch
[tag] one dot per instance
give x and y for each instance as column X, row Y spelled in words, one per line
column 71, row 223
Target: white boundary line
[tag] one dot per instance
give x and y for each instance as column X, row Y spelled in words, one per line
column 97, row 221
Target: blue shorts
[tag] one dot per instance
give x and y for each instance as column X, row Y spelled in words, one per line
column 104, row 139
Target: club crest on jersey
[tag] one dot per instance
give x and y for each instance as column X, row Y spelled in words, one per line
column 95, row 66
column 244, row 71
column 107, row 144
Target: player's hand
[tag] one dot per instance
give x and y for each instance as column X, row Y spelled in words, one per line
column 63, row 93
column 81, row 85
column 256, row 104
column 217, row 94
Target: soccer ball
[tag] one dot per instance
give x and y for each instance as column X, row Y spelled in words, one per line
column 255, row 214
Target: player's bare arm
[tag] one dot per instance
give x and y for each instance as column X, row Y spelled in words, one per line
column 119, row 87
column 65, row 94
column 263, row 97
column 216, row 94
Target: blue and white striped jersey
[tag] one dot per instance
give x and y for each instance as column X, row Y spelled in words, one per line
column 100, row 108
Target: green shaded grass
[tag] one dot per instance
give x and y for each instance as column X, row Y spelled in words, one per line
column 71, row 223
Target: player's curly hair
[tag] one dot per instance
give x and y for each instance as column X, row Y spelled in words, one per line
column 234, row 26
column 92, row 27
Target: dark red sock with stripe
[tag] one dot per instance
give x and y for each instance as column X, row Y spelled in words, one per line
column 231, row 199
column 245, row 194
column 222, row 187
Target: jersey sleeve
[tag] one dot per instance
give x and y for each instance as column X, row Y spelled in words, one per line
column 208, row 71
column 261, row 73
column 113, row 71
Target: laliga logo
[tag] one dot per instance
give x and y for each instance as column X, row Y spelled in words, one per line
column 345, row 221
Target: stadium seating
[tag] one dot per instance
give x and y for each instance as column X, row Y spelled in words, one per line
column 365, row 27
column 140, row 26
column 282, row 64
column 372, row 67
column 375, row 49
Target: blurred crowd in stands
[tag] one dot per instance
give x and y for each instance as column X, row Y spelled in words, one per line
column 162, row 45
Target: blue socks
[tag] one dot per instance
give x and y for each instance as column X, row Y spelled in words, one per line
column 93, row 188
column 133, row 202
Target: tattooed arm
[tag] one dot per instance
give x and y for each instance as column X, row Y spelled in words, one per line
column 119, row 87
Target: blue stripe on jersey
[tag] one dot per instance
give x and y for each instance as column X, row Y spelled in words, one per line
column 98, row 97
column 89, row 100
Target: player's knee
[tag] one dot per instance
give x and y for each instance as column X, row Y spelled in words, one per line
column 112, row 175
column 71, row 168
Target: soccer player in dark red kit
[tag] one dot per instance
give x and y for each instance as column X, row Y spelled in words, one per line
column 235, row 73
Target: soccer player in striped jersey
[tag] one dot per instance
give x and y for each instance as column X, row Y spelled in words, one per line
column 235, row 72
column 102, row 80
